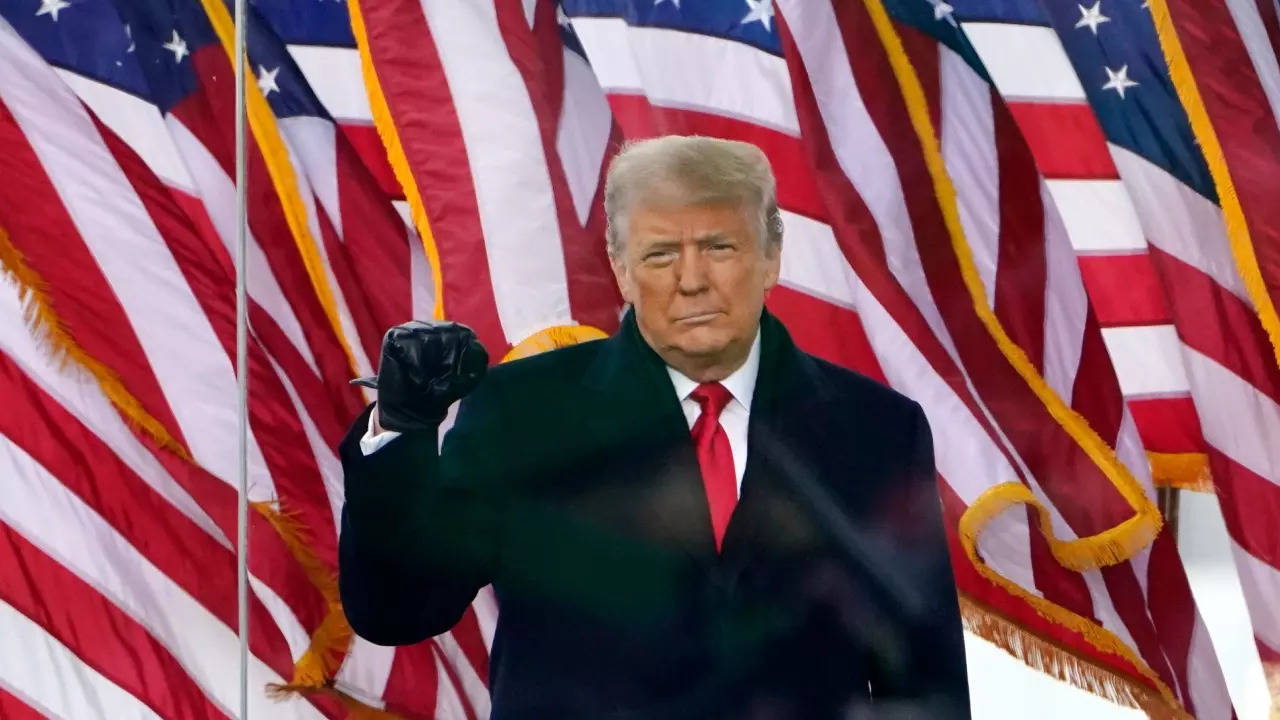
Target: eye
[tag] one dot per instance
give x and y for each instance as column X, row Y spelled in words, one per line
column 722, row 247
column 659, row 257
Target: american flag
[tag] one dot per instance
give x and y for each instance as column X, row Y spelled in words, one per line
column 999, row 207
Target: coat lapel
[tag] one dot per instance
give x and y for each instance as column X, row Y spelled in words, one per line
column 636, row 420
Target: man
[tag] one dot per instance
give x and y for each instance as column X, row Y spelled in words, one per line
column 692, row 518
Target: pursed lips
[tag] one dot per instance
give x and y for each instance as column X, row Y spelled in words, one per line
column 698, row 318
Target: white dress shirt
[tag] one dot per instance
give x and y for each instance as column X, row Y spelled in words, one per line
column 741, row 384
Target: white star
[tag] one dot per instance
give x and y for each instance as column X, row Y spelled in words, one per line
column 1118, row 80
column 267, row 80
column 1091, row 17
column 128, row 31
column 51, row 7
column 760, row 11
column 943, row 11
column 656, row 3
column 177, row 46
column 561, row 19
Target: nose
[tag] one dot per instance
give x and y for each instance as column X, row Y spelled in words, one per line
column 691, row 272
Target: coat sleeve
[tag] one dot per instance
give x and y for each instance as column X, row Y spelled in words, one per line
column 418, row 538
column 929, row 679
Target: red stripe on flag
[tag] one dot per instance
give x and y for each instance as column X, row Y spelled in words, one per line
column 829, row 331
column 417, row 94
column 413, row 683
column 1085, row 498
column 202, row 113
column 859, row 238
column 797, row 190
column 1173, row 610
column 1243, row 122
column 1044, row 446
column 1021, row 275
column 39, row 226
column 88, row 468
column 1268, row 12
column 1065, row 138
column 1096, row 392
column 1124, row 290
column 1250, row 505
column 276, row 426
column 373, row 155
column 13, row 707
column 1168, row 424
column 1218, row 324
column 538, row 54
column 100, row 634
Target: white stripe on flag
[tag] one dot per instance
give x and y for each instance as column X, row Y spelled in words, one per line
column 1097, row 214
column 1025, row 61
column 508, row 167
column 1132, row 348
column 81, row 396
column 138, row 123
column 58, row 522
column 218, row 193
column 692, row 71
column 861, row 152
column 365, row 670
column 1237, row 419
column 582, row 135
column 50, row 679
column 1066, row 305
column 1178, row 220
column 969, row 150
column 335, row 76
column 184, row 353
column 1253, row 35
column 813, row 263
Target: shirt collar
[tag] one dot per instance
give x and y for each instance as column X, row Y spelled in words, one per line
column 741, row 383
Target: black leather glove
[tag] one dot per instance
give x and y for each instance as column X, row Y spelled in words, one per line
column 425, row 367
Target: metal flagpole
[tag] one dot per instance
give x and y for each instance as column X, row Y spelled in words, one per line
column 242, row 365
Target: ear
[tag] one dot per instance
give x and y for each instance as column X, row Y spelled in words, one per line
column 622, row 277
column 772, row 265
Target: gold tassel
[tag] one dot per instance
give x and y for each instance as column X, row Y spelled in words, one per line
column 386, row 127
column 552, row 338
column 1185, row 471
column 262, row 123
column 318, row 664
column 1050, row 658
column 999, row 498
column 52, row 334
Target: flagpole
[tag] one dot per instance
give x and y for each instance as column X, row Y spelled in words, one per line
column 242, row 365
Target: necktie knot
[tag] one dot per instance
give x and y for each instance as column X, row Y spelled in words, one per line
column 712, row 397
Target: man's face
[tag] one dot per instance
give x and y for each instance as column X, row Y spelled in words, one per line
column 697, row 277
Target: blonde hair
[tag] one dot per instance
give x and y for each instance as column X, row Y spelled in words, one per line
column 691, row 170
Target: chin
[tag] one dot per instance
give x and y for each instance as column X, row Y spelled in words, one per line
column 702, row 342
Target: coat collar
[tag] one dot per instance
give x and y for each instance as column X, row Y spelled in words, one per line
column 630, row 382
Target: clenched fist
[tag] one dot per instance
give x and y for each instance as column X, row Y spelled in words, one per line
column 425, row 367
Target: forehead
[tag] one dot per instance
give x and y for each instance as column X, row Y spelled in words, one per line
column 666, row 220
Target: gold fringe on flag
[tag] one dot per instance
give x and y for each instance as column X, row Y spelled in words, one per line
column 1110, row 546
column 1237, row 226
column 262, row 123
column 386, row 128
column 1185, row 471
column 52, row 334
column 1054, row 660
column 996, row 500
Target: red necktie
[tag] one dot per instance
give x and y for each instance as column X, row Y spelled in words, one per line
column 715, row 457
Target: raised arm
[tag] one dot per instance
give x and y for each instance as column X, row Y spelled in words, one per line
column 417, row 541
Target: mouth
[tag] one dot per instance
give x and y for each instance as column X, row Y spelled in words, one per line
column 698, row 318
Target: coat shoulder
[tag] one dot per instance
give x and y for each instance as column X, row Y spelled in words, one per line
column 851, row 389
